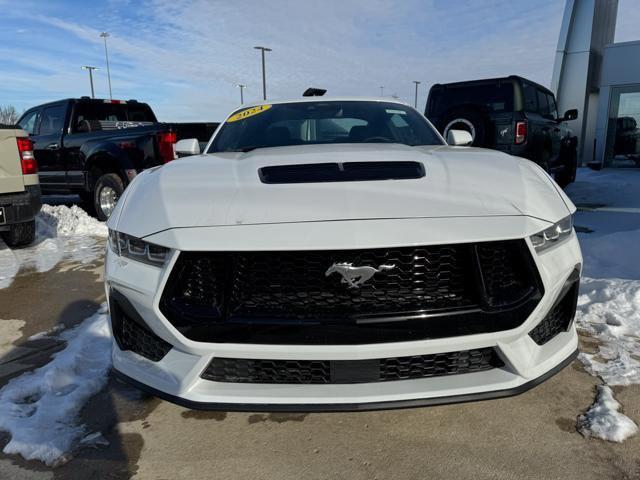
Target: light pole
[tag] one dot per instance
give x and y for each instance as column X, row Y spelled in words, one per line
column 242, row 87
column 382, row 91
column 415, row 102
column 264, row 81
column 91, row 69
column 106, row 54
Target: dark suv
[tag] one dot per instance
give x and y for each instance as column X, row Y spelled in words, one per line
column 511, row 114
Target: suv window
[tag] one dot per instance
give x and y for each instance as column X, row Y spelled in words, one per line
column 495, row 97
column 553, row 111
column 529, row 98
column 52, row 120
column 29, row 122
column 543, row 103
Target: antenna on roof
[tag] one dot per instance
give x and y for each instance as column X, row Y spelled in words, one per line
column 314, row 92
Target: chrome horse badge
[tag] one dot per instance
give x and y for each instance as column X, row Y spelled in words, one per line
column 356, row 276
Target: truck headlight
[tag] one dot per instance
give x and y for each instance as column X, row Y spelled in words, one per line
column 137, row 249
column 553, row 235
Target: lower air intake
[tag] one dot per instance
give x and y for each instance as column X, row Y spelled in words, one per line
column 239, row 370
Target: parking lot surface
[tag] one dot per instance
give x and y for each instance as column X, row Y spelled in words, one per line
column 529, row 436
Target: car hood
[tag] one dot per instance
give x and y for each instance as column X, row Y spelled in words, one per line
column 225, row 189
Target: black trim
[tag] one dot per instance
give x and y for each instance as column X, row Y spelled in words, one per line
column 347, row 407
column 341, row 172
column 22, row 206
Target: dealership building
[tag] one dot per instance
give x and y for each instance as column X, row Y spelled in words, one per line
column 602, row 79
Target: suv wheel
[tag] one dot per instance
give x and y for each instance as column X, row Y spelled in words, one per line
column 108, row 190
column 466, row 120
column 20, row 234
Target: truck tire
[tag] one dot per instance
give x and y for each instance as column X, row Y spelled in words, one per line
column 468, row 120
column 568, row 173
column 106, row 193
column 20, row 234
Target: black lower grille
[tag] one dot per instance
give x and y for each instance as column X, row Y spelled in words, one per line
column 236, row 370
column 131, row 333
column 293, row 297
column 559, row 317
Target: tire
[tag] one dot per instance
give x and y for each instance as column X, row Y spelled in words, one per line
column 20, row 234
column 107, row 191
column 543, row 160
column 568, row 173
column 468, row 120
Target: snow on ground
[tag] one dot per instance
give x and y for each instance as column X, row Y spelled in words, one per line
column 40, row 409
column 609, row 301
column 62, row 233
column 603, row 420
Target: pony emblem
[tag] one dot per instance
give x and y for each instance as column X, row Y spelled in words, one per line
column 356, row 276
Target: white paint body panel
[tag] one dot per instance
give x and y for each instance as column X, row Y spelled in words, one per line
column 218, row 203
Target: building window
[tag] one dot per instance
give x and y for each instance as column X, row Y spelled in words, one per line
column 623, row 128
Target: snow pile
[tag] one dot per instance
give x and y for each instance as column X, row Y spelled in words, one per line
column 609, row 301
column 62, row 233
column 40, row 409
column 603, row 420
column 66, row 221
column 609, row 310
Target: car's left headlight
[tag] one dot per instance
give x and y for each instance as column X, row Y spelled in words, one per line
column 552, row 235
column 137, row 249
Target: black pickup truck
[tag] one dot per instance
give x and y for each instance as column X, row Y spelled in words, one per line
column 96, row 147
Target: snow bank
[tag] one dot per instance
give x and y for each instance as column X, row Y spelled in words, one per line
column 603, row 420
column 609, row 310
column 40, row 409
column 62, row 233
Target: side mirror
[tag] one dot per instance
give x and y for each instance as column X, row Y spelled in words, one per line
column 570, row 114
column 188, row 146
column 459, row 138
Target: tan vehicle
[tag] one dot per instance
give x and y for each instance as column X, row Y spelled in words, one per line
column 19, row 187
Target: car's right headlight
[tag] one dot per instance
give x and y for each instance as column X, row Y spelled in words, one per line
column 553, row 235
column 137, row 249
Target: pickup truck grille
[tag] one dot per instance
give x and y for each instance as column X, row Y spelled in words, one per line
column 287, row 297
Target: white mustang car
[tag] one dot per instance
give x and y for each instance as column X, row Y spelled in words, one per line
column 337, row 254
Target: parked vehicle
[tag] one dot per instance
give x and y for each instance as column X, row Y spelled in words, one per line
column 512, row 114
column 19, row 188
column 627, row 139
column 340, row 252
column 96, row 147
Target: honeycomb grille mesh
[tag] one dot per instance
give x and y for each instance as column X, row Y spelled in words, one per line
column 361, row 371
column 557, row 320
column 131, row 336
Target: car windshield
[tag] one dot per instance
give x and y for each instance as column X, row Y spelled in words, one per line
column 323, row 122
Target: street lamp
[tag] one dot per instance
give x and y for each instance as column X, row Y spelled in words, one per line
column 91, row 69
column 382, row 91
column 264, row 81
column 104, row 35
column 242, row 87
column 415, row 102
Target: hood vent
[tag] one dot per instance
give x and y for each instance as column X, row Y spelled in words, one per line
column 341, row 172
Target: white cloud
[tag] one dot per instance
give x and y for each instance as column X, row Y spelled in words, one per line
column 186, row 58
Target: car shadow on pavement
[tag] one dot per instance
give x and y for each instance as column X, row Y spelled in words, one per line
column 114, row 404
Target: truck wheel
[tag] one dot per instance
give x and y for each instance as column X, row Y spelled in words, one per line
column 20, row 234
column 108, row 190
column 568, row 173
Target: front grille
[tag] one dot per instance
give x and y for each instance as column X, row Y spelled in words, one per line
column 559, row 318
column 287, row 297
column 133, row 335
column 237, row 370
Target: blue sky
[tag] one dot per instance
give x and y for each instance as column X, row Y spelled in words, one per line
column 186, row 58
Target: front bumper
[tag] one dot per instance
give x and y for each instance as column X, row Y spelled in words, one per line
column 21, row 207
column 177, row 376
